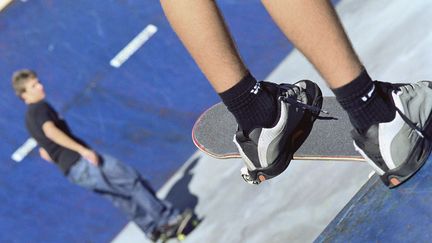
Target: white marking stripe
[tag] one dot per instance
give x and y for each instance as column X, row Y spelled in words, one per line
column 133, row 46
column 4, row 3
column 24, row 150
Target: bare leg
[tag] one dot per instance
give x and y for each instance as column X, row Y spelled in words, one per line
column 201, row 28
column 315, row 29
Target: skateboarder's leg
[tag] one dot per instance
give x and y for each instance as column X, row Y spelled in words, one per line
column 201, row 27
column 314, row 28
column 388, row 140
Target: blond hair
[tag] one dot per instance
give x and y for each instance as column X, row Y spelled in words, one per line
column 20, row 78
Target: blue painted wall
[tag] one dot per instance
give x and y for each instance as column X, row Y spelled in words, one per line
column 141, row 113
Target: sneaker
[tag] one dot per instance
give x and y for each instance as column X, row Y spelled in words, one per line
column 398, row 149
column 267, row 152
column 175, row 226
column 154, row 236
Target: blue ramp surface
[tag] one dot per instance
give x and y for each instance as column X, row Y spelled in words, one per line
column 378, row 214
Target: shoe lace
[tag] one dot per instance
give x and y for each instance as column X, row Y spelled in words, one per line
column 411, row 124
column 289, row 95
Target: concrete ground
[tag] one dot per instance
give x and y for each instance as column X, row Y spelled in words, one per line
column 393, row 40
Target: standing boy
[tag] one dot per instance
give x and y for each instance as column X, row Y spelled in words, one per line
column 83, row 166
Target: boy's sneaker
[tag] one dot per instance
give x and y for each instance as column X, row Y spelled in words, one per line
column 397, row 149
column 175, row 226
column 267, row 152
column 154, row 236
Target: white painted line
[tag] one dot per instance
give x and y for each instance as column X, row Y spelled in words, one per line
column 133, row 46
column 4, row 3
column 24, row 150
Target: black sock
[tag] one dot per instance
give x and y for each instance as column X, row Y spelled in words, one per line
column 251, row 109
column 364, row 103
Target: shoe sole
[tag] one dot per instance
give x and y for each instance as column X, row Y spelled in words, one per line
column 416, row 159
column 414, row 162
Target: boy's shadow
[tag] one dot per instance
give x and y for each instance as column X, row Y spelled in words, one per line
column 179, row 194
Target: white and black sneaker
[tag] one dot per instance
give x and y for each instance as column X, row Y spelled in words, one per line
column 267, row 152
column 399, row 148
column 175, row 226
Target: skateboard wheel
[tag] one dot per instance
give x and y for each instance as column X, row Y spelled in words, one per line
column 181, row 237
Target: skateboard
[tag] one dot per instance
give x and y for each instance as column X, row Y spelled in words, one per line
column 329, row 139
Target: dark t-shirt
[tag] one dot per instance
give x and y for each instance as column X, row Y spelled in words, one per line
column 41, row 112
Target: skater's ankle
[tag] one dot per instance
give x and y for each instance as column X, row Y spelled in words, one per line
column 250, row 104
column 365, row 102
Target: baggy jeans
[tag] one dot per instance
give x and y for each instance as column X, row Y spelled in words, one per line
column 127, row 190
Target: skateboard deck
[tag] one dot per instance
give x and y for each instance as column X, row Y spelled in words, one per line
column 329, row 139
